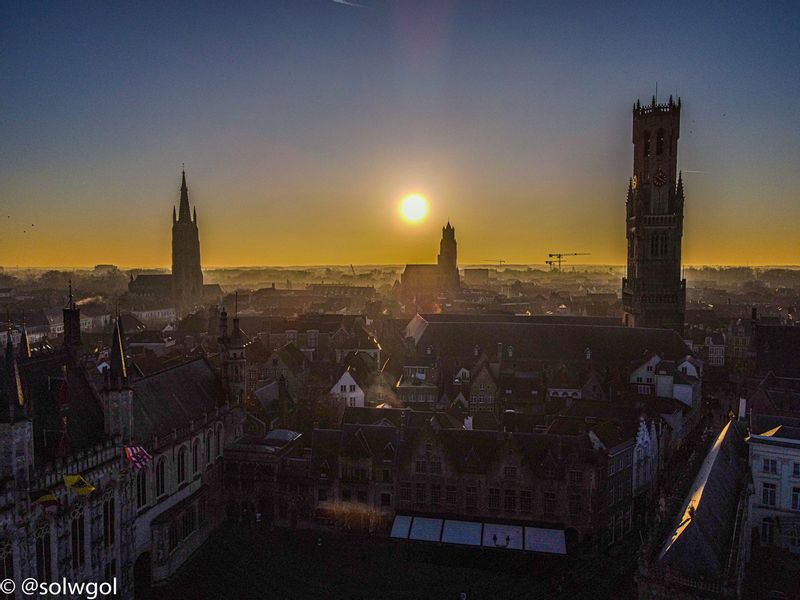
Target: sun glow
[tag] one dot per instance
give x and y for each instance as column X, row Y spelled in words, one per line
column 414, row 208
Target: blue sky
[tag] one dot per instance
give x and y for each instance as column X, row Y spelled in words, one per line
column 302, row 123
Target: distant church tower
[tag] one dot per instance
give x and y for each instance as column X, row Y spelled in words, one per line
column 448, row 258
column 187, row 278
column 653, row 293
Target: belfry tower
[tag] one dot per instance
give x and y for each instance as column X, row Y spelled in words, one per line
column 187, row 278
column 653, row 293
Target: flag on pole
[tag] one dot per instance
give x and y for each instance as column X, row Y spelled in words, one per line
column 138, row 456
column 78, row 484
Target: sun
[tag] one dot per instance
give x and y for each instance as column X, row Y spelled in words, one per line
column 414, row 208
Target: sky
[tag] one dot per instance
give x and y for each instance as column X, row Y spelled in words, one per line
column 303, row 123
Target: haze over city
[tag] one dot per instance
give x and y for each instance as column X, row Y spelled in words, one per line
column 311, row 120
column 399, row 299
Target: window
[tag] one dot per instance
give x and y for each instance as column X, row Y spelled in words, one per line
column 768, row 494
column 182, row 464
column 510, row 501
column 451, row 495
column 436, row 494
column 510, row 472
column 343, row 389
column 386, row 499
column 471, row 497
column 405, row 491
column 549, row 502
column 770, row 465
column 796, row 470
column 794, row 536
column 387, row 476
column 352, row 388
column 575, row 504
column 766, row 531
column 141, row 488
column 494, row 498
column 109, row 522
column 195, row 456
column 77, row 538
column 187, row 523
column 43, row 555
column 161, row 477
column 419, row 497
column 646, row 144
column 436, row 467
column 660, row 141
column 421, row 466
column 526, row 501
column 796, row 498
column 576, row 477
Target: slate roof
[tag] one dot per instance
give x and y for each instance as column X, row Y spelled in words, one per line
column 43, row 377
column 172, row 398
column 698, row 546
column 777, row 349
column 544, row 341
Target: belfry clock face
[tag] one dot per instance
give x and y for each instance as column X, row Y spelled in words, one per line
column 659, row 178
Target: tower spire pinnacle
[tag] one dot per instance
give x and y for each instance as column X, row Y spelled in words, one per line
column 184, row 214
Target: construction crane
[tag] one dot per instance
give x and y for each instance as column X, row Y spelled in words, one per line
column 559, row 257
column 500, row 262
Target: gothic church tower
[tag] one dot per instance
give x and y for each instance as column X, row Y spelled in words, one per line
column 187, row 278
column 653, row 293
column 448, row 258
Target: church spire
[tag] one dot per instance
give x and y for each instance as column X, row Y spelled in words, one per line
column 184, row 215
column 24, row 345
column 118, row 369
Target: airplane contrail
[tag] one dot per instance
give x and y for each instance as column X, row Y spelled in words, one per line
column 347, row 3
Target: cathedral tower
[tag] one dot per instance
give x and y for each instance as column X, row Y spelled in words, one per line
column 448, row 258
column 653, row 293
column 187, row 278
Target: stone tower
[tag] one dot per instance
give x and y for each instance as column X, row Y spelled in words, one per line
column 448, row 258
column 653, row 293
column 187, row 278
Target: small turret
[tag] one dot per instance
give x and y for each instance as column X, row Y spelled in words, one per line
column 72, row 322
column 14, row 401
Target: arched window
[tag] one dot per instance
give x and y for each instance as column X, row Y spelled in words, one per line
column 141, row 488
column 646, row 145
column 182, row 464
column 195, row 456
column 161, row 477
column 660, row 142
